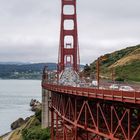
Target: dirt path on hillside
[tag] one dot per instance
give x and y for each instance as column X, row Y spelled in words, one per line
column 6, row 137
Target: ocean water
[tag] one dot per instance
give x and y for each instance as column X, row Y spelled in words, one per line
column 15, row 96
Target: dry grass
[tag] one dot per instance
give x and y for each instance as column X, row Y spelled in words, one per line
column 137, row 51
column 125, row 60
column 16, row 135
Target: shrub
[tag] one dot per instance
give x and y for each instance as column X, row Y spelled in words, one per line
column 119, row 79
column 38, row 115
column 36, row 133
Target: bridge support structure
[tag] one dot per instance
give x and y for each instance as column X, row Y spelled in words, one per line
column 46, row 115
column 79, row 118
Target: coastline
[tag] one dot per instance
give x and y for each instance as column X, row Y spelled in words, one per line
column 35, row 105
column 15, row 96
column 7, row 135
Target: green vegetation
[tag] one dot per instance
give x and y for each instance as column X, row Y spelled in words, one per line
column 33, row 130
column 87, row 70
column 117, row 55
column 24, row 71
column 125, row 64
column 36, row 133
column 129, row 72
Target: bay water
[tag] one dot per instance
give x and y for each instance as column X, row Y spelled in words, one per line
column 15, row 97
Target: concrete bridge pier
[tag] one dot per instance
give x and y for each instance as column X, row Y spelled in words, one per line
column 46, row 114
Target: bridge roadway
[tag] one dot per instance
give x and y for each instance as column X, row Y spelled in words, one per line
column 113, row 95
column 79, row 113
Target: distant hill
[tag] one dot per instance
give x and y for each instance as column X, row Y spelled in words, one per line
column 24, row 71
column 16, row 63
column 18, row 70
column 125, row 63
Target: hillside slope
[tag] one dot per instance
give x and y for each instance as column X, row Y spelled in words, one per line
column 125, row 63
column 130, row 58
column 24, row 71
column 31, row 130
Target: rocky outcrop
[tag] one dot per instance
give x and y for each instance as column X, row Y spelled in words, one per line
column 35, row 105
column 17, row 123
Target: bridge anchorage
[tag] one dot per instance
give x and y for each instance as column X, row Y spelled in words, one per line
column 84, row 113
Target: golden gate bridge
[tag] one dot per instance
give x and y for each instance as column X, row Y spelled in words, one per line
column 84, row 113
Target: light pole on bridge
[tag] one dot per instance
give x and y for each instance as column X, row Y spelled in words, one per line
column 98, row 69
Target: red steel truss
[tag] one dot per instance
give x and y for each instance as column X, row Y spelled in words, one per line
column 68, row 48
column 82, row 118
column 88, row 113
column 77, row 116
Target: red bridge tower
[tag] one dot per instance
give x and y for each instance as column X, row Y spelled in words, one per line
column 68, row 47
column 85, row 113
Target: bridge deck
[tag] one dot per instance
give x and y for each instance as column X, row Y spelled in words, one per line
column 113, row 95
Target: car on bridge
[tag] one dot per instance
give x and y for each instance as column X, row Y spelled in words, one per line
column 94, row 83
column 114, row 86
column 126, row 88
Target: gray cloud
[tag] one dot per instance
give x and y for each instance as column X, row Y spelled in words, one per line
column 29, row 29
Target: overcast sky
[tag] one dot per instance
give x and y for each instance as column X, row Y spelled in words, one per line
column 29, row 29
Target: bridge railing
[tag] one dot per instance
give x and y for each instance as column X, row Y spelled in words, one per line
column 114, row 95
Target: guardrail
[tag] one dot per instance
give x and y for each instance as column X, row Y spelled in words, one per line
column 113, row 95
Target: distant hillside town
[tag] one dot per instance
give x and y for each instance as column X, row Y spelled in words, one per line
column 17, row 70
column 24, row 71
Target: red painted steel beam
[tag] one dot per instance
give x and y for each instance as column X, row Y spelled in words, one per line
column 114, row 121
column 63, row 51
column 121, row 96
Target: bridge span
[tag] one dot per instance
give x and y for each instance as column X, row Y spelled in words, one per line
column 84, row 113
column 93, row 114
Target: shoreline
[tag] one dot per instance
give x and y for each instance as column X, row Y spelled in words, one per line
column 34, row 106
column 15, row 96
column 7, row 135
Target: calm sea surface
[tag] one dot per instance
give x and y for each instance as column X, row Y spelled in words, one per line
column 15, row 96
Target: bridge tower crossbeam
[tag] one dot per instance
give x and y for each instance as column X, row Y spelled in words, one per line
column 68, row 47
